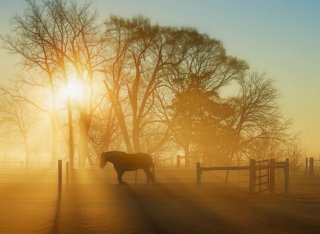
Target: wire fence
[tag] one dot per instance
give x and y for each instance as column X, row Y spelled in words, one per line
column 12, row 173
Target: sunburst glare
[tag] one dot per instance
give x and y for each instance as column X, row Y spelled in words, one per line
column 73, row 89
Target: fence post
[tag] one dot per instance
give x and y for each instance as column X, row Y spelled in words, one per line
column 286, row 172
column 272, row 176
column 252, row 176
column 307, row 160
column 178, row 161
column 198, row 171
column 60, row 176
column 311, row 167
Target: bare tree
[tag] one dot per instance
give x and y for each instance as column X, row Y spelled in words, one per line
column 57, row 37
column 143, row 55
column 85, row 50
column 16, row 116
column 257, row 121
column 147, row 68
column 104, row 128
column 32, row 39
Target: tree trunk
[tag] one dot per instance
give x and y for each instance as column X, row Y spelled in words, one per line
column 123, row 127
column 83, row 140
column 54, row 141
column 136, row 137
column 54, row 129
column 71, row 137
column 54, row 121
column 186, row 155
column 26, row 148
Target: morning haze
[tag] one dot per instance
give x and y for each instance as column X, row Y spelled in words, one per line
column 159, row 116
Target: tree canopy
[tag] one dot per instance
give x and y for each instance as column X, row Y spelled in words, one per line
column 141, row 87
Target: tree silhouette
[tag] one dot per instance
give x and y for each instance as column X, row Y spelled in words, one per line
column 257, row 118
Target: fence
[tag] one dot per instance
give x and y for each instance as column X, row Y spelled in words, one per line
column 187, row 160
column 255, row 177
column 312, row 166
column 167, row 174
column 35, row 173
column 265, row 169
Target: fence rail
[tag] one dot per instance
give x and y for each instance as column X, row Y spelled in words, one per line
column 80, row 174
column 312, row 166
column 255, row 180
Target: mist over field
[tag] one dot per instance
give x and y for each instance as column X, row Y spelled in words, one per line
column 113, row 123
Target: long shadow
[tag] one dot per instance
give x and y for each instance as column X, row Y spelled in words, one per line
column 176, row 214
column 195, row 207
column 160, row 208
column 70, row 219
column 141, row 208
column 57, row 214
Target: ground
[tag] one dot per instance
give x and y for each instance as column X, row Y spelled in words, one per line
column 92, row 202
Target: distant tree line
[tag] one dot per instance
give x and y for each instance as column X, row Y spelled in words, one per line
column 146, row 88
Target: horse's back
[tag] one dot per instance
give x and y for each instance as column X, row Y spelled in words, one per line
column 133, row 161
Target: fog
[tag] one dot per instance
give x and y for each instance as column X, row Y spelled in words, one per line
column 91, row 201
column 169, row 100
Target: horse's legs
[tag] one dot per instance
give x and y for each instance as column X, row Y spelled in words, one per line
column 149, row 175
column 120, row 173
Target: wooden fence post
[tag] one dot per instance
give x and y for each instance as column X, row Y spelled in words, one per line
column 272, row 176
column 252, row 176
column 178, row 161
column 60, row 176
column 286, row 172
column 198, row 171
column 311, row 166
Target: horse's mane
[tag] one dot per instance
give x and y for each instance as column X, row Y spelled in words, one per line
column 109, row 156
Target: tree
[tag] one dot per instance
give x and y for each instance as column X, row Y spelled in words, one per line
column 15, row 116
column 196, row 82
column 160, row 82
column 85, row 50
column 33, row 41
column 58, row 38
column 104, row 130
column 143, row 55
column 257, row 121
column 199, row 119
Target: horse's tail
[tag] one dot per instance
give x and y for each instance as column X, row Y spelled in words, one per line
column 152, row 169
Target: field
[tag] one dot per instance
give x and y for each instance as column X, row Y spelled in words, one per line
column 92, row 202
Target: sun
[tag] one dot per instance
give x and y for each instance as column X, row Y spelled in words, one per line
column 72, row 90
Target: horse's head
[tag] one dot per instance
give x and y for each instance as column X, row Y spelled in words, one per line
column 104, row 158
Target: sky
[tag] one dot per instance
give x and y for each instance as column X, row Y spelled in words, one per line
column 278, row 37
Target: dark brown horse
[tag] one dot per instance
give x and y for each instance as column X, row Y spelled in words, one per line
column 128, row 162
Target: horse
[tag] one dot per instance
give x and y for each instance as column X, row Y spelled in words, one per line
column 128, row 162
